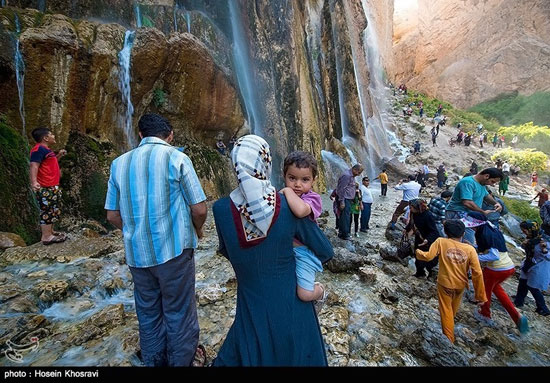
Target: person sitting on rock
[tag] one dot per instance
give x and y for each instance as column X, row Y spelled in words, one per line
column 416, row 148
column 410, row 189
column 220, row 147
column 456, row 259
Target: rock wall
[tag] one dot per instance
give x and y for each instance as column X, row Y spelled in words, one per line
column 470, row 51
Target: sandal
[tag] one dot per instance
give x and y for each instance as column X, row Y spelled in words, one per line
column 319, row 303
column 55, row 239
column 199, row 360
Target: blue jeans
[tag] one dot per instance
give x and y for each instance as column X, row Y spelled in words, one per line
column 440, row 183
column 523, row 288
column 345, row 220
column 365, row 216
column 167, row 311
column 470, row 234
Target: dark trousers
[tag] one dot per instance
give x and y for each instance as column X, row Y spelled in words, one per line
column 355, row 222
column 423, row 265
column 365, row 216
column 400, row 209
column 523, row 288
column 440, row 183
column 167, row 311
column 383, row 189
column 345, row 220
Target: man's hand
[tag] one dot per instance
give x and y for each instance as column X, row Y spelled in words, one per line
column 35, row 186
column 61, row 153
column 498, row 207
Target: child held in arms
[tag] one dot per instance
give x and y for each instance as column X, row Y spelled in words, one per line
column 300, row 172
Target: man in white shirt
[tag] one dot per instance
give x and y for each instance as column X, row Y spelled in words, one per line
column 506, row 167
column 411, row 189
column 366, row 201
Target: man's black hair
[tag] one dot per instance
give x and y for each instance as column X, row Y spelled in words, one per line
column 454, row 228
column 412, row 177
column 154, row 125
column 493, row 173
column 39, row 133
column 446, row 194
column 366, row 179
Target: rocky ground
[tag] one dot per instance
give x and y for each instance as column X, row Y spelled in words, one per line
column 76, row 297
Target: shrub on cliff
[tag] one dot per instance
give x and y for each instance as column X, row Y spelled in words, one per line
column 528, row 160
column 522, row 209
column 18, row 206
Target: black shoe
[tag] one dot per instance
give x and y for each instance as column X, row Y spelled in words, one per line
column 345, row 238
column 419, row 275
column 542, row 312
column 364, row 231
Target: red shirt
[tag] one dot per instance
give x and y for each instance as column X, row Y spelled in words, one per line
column 48, row 172
column 543, row 197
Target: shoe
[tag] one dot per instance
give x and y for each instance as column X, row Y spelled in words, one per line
column 419, row 275
column 55, row 239
column 356, row 235
column 518, row 306
column 363, row 231
column 483, row 319
column 542, row 312
column 392, row 226
column 522, row 325
column 319, row 303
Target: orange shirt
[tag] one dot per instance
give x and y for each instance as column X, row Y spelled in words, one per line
column 455, row 259
column 383, row 178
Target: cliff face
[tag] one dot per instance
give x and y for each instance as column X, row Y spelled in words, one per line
column 470, row 51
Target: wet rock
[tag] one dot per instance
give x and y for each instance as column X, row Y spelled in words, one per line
column 367, row 275
column 210, row 294
column 388, row 296
column 113, row 285
column 392, row 269
column 335, row 317
column 344, row 260
column 337, row 341
column 434, row 348
column 511, row 223
column 495, row 338
column 9, row 291
column 52, row 291
column 8, row 240
column 95, row 226
column 89, row 233
column 37, row 274
column 73, row 248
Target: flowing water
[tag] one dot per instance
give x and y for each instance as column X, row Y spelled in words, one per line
column 20, row 74
column 243, row 69
column 42, row 5
column 137, row 12
column 124, row 60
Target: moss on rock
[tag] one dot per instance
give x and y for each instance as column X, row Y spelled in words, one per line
column 18, row 206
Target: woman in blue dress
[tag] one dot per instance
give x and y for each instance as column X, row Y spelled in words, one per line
column 256, row 228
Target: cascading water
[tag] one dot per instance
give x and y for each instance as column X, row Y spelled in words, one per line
column 243, row 69
column 3, row 3
column 42, row 5
column 188, row 21
column 20, row 74
column 334, row 167
column 137, row 11
column 383, row 135
column 124, row 60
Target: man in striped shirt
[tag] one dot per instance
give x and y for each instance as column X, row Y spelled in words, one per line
column 155, row 197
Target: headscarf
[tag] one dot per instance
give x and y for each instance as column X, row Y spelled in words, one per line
column 487, row 235
column 255, row 198
column 532, row 227
column 419, row 204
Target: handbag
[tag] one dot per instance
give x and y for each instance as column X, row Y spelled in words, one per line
column 405, row 248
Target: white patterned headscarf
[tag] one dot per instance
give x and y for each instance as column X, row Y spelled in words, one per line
column 255, row 196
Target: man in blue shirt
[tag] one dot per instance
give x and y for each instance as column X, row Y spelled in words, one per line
column 469, row 194
column 155, row 197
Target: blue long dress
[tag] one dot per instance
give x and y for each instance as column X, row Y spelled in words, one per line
column 272, row 326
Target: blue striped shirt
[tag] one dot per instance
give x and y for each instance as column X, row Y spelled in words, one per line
column 153, row 186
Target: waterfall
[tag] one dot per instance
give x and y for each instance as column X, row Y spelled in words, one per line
column 176, row 9
column 243, row 69
column 313, row 31
column 3, row 3
column 124, row 60
column 137, row 11
column 334, row 167
column 42, row 5
column 383, row 134
column 20, row 74
column 188, row 21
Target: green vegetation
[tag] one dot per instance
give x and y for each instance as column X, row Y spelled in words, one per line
column 529, row 135
column 469, row 120
column 18, row 206
column 515, row 109
column 522, row 209
column 528, row 160
column 147, row 22
column 159, row 98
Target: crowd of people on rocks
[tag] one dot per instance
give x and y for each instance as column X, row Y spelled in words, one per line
column 273, row 242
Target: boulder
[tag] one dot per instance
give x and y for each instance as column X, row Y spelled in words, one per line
column 8, row 240
column 344, row 261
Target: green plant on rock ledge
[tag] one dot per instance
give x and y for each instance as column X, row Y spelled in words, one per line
column 522, row 209
column 528, row 160
column 159, row 98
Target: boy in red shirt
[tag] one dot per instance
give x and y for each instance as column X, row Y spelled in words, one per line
column 45, row 175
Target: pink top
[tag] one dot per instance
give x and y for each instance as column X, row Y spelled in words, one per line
column 314, row 201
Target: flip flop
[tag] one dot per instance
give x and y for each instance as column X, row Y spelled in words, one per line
column 56, row 239
column 198, row 360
